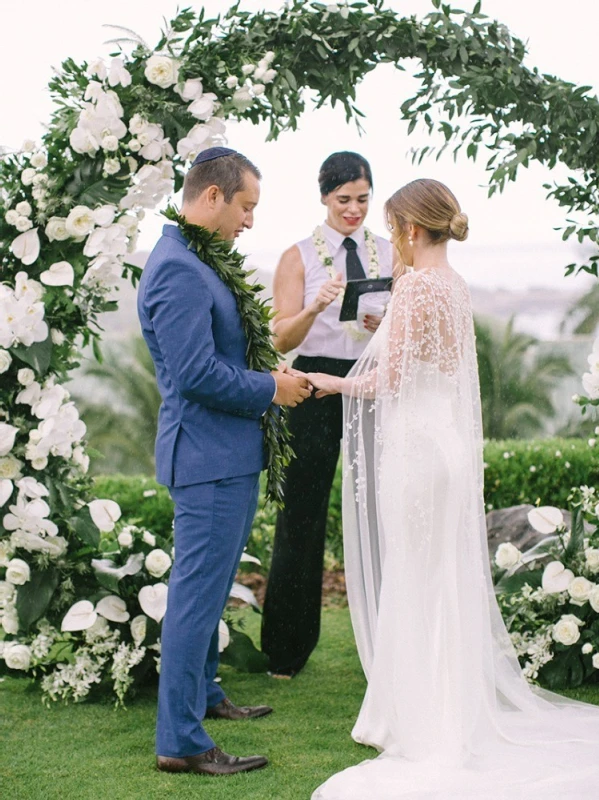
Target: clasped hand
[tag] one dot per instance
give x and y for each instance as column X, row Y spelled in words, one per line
column 293, row 386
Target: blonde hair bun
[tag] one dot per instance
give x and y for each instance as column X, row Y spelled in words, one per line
column 458, row 226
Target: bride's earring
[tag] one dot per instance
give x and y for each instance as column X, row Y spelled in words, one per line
column 411, row 242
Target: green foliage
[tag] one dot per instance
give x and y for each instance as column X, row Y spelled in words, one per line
column 515, row 384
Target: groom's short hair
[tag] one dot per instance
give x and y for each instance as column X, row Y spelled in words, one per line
column 227, row 172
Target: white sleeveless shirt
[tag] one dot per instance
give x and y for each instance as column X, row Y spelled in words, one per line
column 328, row 337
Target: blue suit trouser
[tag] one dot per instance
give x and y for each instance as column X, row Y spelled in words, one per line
column 212, row 524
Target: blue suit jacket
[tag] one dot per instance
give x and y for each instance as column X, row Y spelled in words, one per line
column 209, row 422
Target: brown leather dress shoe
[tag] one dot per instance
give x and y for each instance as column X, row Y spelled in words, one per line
column 228, row 710
column 212, row 762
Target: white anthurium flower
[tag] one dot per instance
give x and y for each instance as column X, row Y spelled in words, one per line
column 26, row 247
column 105, row 514
column 7, row 438
column 203, row 107
column 190, row 90
column 243, row 593
column 579, row 590
column 80, row 221
column 556, row 578
column 56, row 229
column 152, row 600
column 17, row 572
column 162, row 70
column 158, row 563
column 590, row 383
column 546, row 519
column 248, row 557
column 104, row 215
column 5, row 361
column 61, row 273
column 139, row 627
column 6, row 490
column 17, row 656
column 133, row 565
column 113, row 608
column 118, row 75
column 79, row 617
column 32, row 488
column 224, row 637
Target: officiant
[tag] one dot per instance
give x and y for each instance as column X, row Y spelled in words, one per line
column 308, row 287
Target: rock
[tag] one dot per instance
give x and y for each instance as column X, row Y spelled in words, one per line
column 511, row 525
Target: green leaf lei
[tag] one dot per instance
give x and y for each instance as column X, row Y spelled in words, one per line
column 261, row 355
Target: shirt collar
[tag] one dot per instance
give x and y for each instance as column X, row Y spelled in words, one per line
column 334, row 239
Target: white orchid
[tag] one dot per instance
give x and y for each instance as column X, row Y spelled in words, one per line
column 108, row 241
column 32, row 489
column 190, row 90
column 203, row 107
column 118, row 75
column 6, row 490
column 30, row 516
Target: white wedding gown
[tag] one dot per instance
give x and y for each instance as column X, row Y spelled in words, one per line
column 446, row 706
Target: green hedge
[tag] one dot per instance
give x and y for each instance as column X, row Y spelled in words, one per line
column 516, row 471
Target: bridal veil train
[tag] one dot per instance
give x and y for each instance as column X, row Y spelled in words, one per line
column 446, row 704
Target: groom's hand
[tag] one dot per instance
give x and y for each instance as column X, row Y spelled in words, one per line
column 292, row 389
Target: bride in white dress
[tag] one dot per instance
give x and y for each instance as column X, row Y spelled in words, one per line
column 446, row 706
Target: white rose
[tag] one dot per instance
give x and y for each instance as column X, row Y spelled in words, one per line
column 105, row 514
column 149, row 538
column 162, row 71
column 10, row 467
column 110, row 143
column 17, row 656
column 27, row 176
column 594, row 599
column 39, row 160
column 61, row 273
column 112, row 166
column 125, row 539
column 40, row 179
column 157, row 563
column 269, row 76
column 11, row 217
column 587, row 648
column 25, row 376
column 134, row 145
column 596, row 660
column 258, row 89
column 23, row 208
column 7, row 592
column 7, row 438
column 579, row 590
column 232, row 81
column 247, row 69
column 592, row 558
column 80, row 221
column 57, row 336
column 17, row 572
column 139, row 626
column 5, row 360
column 28, row 145
column 566, row 630
column 23, row 224
column 39, row 463
column 56, row 229
column 10, row 621
column 507, row 555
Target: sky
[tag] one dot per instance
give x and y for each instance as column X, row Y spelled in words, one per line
column 512, row 243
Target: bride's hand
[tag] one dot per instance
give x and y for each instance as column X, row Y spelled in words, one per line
column 325, row 384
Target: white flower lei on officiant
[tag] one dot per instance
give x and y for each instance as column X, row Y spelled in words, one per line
column 326, row 260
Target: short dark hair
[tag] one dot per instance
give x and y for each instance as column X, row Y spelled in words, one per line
column 226, row 172
column 343, row 167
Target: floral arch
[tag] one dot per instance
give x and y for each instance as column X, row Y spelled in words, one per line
column 83, row 594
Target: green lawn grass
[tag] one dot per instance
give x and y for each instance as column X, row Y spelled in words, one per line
column 92, row 751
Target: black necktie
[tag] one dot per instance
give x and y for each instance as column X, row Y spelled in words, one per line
column 353, row 266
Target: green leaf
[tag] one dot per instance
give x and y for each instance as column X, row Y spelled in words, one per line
column 514, row 583
column 33, row 597
column 242, row 654
column 85, row 528
column 576, row 533
column 37, row 355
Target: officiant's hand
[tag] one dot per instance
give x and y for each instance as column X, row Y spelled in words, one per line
column 325, row 384
column 291, row 389
column 372, row 322
column 327, row 293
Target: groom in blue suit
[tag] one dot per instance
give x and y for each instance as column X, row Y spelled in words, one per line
column 209, row 452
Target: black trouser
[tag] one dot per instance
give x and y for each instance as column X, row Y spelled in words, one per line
column 291, row 620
